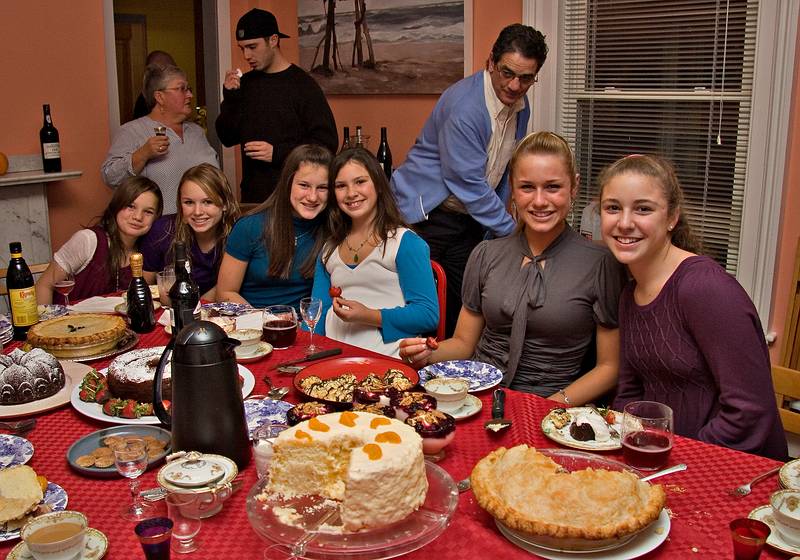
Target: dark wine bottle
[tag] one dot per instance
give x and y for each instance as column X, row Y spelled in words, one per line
column 359, row 138
column 51, row 148
column 346, row 140
column 184, row 294
column 140, row 301
column 384, row 154
column 21, row 293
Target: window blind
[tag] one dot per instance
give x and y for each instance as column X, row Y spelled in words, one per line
column 674, row 78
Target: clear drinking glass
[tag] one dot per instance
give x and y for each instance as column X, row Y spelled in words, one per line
column 130, row 458
column 184, row 527
column 65, row 286
column 646, row 434
column 311, row 309
column 165, row 279
column 263, row 438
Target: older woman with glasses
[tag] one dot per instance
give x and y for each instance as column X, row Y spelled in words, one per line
column 163, row 144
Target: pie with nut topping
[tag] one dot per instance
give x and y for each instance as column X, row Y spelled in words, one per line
column 529, row 492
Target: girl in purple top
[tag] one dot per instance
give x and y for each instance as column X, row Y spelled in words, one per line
column 98, row 258
column 689, row 335
column 207, row 210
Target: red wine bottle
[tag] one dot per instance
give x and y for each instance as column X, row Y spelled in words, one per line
column 346, row 141
column 21, row 293
column 51, row 148
column 140, row 300
column 384, row 154
column 184, row 294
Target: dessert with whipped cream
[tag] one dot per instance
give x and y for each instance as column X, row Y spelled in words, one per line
column 372, row 465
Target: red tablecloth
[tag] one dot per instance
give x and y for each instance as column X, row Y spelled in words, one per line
column 697, row 498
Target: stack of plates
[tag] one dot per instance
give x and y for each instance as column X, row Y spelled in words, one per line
column 6, row 330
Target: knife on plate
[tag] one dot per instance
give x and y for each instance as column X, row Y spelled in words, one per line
column 309, row 358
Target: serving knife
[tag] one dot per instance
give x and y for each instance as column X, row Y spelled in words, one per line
column 309, row 358
column 498, row 422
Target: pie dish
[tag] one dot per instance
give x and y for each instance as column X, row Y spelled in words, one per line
column 78, row 335
column 598, row 504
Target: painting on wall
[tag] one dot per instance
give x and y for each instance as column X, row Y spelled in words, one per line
column 382, row 46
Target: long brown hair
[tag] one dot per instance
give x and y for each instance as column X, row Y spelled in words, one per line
column 215, row 185
column 664, row 174
column 129, row 190
column 387, row 218
column 279, row 234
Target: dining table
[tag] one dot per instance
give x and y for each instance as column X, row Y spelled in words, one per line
column 699, row 502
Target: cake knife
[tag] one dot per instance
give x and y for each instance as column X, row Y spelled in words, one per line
column 498, row 422
column 310, row 357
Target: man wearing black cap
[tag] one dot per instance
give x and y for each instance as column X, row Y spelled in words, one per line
column 270, row 109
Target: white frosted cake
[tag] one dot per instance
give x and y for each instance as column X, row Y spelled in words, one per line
column 372, row 464
column 130, row 375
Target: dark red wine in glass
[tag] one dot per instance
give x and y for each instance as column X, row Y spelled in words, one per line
column 647, row 449
column 280, row 333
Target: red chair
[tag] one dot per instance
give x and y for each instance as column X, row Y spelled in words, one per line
column 440, row 278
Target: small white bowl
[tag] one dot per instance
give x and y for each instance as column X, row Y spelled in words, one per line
column 249, row 339
column 786, row 511
column 450, row 392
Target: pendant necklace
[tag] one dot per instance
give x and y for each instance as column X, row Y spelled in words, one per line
column 355, row 251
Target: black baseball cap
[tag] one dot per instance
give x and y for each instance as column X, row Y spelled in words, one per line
column 256, row 24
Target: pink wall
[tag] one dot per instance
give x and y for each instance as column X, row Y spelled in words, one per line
column 53, row 52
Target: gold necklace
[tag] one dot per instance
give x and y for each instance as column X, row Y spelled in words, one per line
column 355, row 251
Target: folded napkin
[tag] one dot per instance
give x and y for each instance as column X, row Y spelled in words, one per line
column 249, row 320
column 97, row 304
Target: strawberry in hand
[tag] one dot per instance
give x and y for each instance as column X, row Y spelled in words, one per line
column 432, row 343
column 335, row 291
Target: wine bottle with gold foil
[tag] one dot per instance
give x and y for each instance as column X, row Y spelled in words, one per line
column 140, row 300
column 21, row 293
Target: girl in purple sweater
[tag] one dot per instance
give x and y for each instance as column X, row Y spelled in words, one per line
column 689, row 335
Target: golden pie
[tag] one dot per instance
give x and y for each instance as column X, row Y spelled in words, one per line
column 529, row 492
column 83, row 334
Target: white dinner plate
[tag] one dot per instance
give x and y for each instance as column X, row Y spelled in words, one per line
column 562, row 435
column 73, row 374
column 480, row 375
column 649, row 539
column 95, row 411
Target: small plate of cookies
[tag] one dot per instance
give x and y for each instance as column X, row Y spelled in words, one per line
column 93, row 455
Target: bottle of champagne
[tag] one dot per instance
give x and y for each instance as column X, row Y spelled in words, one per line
column 385, row 154
column 184, row 294
column 346, row 141
column 21, row 293
column 140, row 301
column 359, row 138
column 51, row 148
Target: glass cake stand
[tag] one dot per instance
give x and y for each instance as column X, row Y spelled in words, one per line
column 302, row 539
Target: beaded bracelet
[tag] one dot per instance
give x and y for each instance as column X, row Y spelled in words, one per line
column 563, row 394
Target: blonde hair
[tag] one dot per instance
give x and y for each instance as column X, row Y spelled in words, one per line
column 663, row 172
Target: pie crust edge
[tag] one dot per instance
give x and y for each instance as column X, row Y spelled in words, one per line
column 116, row 328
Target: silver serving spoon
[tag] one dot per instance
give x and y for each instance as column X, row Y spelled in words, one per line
column 275, row 393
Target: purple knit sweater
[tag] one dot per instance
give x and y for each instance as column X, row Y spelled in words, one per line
column 699, row 348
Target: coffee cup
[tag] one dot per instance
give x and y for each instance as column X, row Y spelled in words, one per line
column 249, row 340
column 786, row 512
column 60, row 535
column 449, row 392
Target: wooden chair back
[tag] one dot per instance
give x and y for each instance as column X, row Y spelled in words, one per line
column 35, row 269
column 790, row 356
column 787, row 389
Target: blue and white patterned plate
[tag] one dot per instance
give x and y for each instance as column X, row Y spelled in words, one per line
column 228, row 308
column 54, row 495
column 51, row 311
column 261, row 412
column 5, row 324
column 481, row 376
column 14, row 450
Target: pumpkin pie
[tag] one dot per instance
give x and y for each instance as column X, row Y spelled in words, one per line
column 529, row 492
column 83, row 334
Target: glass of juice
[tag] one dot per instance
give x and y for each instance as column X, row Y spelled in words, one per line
column 279, row 326
column 749, row 536
column 646, row 434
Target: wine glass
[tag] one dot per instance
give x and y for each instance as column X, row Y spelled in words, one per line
column 185, row 526
column 65, row 286
column 310, row 309
column 130, row 458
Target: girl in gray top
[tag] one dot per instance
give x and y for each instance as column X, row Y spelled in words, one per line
column 534, row 301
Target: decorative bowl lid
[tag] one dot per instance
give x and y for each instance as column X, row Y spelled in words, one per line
column 197, row 471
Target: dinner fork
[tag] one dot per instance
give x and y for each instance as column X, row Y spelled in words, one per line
column 745, row 489
column 20, row 427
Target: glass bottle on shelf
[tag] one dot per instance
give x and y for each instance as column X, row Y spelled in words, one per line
column 384, row 154
column 359, row 138
column 51, row 147
column 346, row 141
